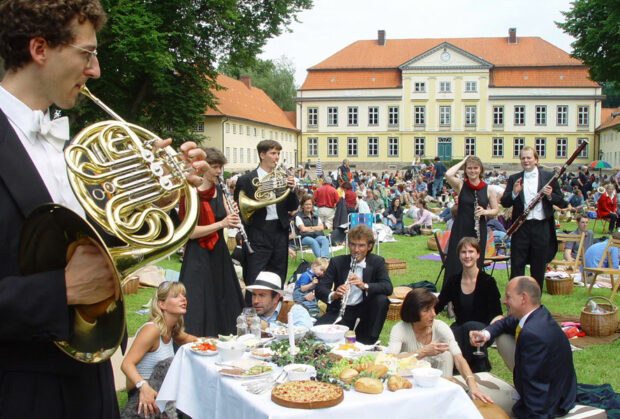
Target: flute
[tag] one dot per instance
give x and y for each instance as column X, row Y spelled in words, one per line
column 231, row 208
column 476, row 218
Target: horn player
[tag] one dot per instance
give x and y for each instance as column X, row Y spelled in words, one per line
column 269, row 226
column 49, row 48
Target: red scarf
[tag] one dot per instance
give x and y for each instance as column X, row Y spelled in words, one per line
column 206, row 216
column 477, row 187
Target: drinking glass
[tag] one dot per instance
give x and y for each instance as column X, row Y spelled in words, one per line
column 479, row 342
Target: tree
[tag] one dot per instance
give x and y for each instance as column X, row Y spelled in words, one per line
column 158, row 57
column 596, row 26
column 275, row 78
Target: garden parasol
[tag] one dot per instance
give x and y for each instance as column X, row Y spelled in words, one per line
column 599, row 164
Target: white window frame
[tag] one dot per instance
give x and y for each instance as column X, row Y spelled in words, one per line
column 445, row 87
column 561, row 115
column 373, row 115
column 393, row 148
column 498, row 115
column 247, row 130
column 332, row 146
column 584, row 152
column 393, row 116
column 517, row 145
column 561, row 147
column 332, row 116
column 234, row 154
column 470, row 146
column 497, row 145
column 470, row 115
column 234, row 128
column 419, row 87
column 200, row 127
column 541, row 115
column 227, row 127
column 228, row 153
column 471, row 87
column 419, row 146
column 313, row 117
column 583, row 115
column 373, row 147
column 248, row 153
column 352, row 116
column 519, row 115
column 352, row 146
column 540, row 145
column 419, row 115
column 445, row 116
column 313, row 147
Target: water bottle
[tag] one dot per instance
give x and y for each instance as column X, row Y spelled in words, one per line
column 242, row 325
column 255, row 326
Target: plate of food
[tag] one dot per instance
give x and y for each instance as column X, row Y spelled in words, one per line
column 246, row 368
column 206, row 347
column 281, row 332
column 263, row 354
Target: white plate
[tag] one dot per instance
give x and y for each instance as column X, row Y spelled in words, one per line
column 262, row 358
column 204, row 353
column 263, row 375
column 246, row 364
column 395, row 300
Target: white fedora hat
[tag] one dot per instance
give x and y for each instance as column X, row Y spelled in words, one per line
column 267, row 281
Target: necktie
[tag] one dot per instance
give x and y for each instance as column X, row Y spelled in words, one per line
column 517, row 332
column 55, row 132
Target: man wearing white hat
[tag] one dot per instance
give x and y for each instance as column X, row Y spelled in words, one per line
column 266, row 300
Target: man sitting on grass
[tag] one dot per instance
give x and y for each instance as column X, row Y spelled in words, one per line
column 570, row 248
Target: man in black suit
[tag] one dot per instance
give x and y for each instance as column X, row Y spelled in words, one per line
column 49, row 51
column 544, row 375
column 269, row 226
column 535, row 241
column 369, row 286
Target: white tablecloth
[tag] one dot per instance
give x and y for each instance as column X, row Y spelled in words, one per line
column 201, row 392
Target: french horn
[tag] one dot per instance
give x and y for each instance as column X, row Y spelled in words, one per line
column 126, row 186
column 271, row 189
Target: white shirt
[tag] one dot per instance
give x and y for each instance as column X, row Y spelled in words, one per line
column 46, row 155
column 272, row 212
column 356, row 294
column 530, row 190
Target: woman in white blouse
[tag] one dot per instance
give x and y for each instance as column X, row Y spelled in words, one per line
column 153, row 342
column 421, row 334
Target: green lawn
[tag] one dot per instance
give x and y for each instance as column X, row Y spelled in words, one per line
column 594, row 365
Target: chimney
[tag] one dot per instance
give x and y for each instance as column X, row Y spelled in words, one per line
column 247, row 80
column 512, row 35
column 381, row 38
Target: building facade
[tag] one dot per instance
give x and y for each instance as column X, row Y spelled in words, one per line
column 383, row 103
column 243, row 116
column 608, row 134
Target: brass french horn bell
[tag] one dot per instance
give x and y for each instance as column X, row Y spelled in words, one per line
column 271, row 189
column 126, row 185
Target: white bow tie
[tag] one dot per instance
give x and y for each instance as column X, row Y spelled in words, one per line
column 530, row 174
column 55, row 132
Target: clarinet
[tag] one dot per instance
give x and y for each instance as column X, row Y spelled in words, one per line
column 476, row 218
column 519, row 221
column 231, row 208
column 345, row 297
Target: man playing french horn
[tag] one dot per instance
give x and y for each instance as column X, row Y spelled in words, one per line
column 364, row 278
column 49, row 49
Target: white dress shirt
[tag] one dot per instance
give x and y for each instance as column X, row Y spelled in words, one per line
column 45, row 150
column 530, row 190
column 272, row 212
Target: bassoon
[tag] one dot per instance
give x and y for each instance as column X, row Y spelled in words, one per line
column 519, row 221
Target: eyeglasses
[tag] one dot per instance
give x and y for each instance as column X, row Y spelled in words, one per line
column 91, row 54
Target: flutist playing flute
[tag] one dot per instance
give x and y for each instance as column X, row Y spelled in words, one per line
column 368, row 283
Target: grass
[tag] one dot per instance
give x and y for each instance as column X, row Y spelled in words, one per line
column 593, row 365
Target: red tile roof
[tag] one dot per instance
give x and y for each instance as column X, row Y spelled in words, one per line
column 608, row 120
column 355, row 65
column 239, row 101
column 291, row 116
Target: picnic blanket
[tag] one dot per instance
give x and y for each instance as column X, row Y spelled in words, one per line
column 586, row 340
column 602, row 396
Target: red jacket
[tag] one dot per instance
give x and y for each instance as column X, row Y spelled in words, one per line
column 326, row 196
column 605, row 205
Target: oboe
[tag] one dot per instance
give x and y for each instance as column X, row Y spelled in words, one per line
column 231, row 208
column 476, row 218
column 345, row 297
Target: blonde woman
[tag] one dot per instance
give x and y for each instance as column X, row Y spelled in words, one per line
column 153, row 343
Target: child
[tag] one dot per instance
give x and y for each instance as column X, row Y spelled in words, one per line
column 302, row 294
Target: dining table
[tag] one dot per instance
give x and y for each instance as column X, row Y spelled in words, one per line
column 200, row 391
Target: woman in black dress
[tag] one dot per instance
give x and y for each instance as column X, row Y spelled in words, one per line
column 214, row 297
column 469, row 190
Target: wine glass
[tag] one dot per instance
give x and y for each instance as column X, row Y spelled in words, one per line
column 479, row 342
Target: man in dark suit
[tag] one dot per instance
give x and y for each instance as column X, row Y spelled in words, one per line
column 49, row 51
column 369, row 286
column 535, row 241
column 544, row 375
column 269, row 226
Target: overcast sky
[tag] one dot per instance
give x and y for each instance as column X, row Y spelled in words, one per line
column 333, row 24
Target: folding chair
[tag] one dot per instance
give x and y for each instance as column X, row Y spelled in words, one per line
column 610, row 270
column 491, row 257
column 355, row 219
column 296, row 237
column 442, row 247
column 571, row 238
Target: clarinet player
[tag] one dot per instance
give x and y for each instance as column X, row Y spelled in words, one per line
column 535, row 242
column 368, row 284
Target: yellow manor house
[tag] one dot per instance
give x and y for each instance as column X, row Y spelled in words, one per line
column 382, row 103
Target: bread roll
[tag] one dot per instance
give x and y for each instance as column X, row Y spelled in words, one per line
column 396, row 382
column 378, row 370
column 368, row 385
column 348, row 374
column 361, row 367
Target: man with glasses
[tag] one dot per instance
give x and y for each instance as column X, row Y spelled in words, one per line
column 367, row 281
column 49, row 51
